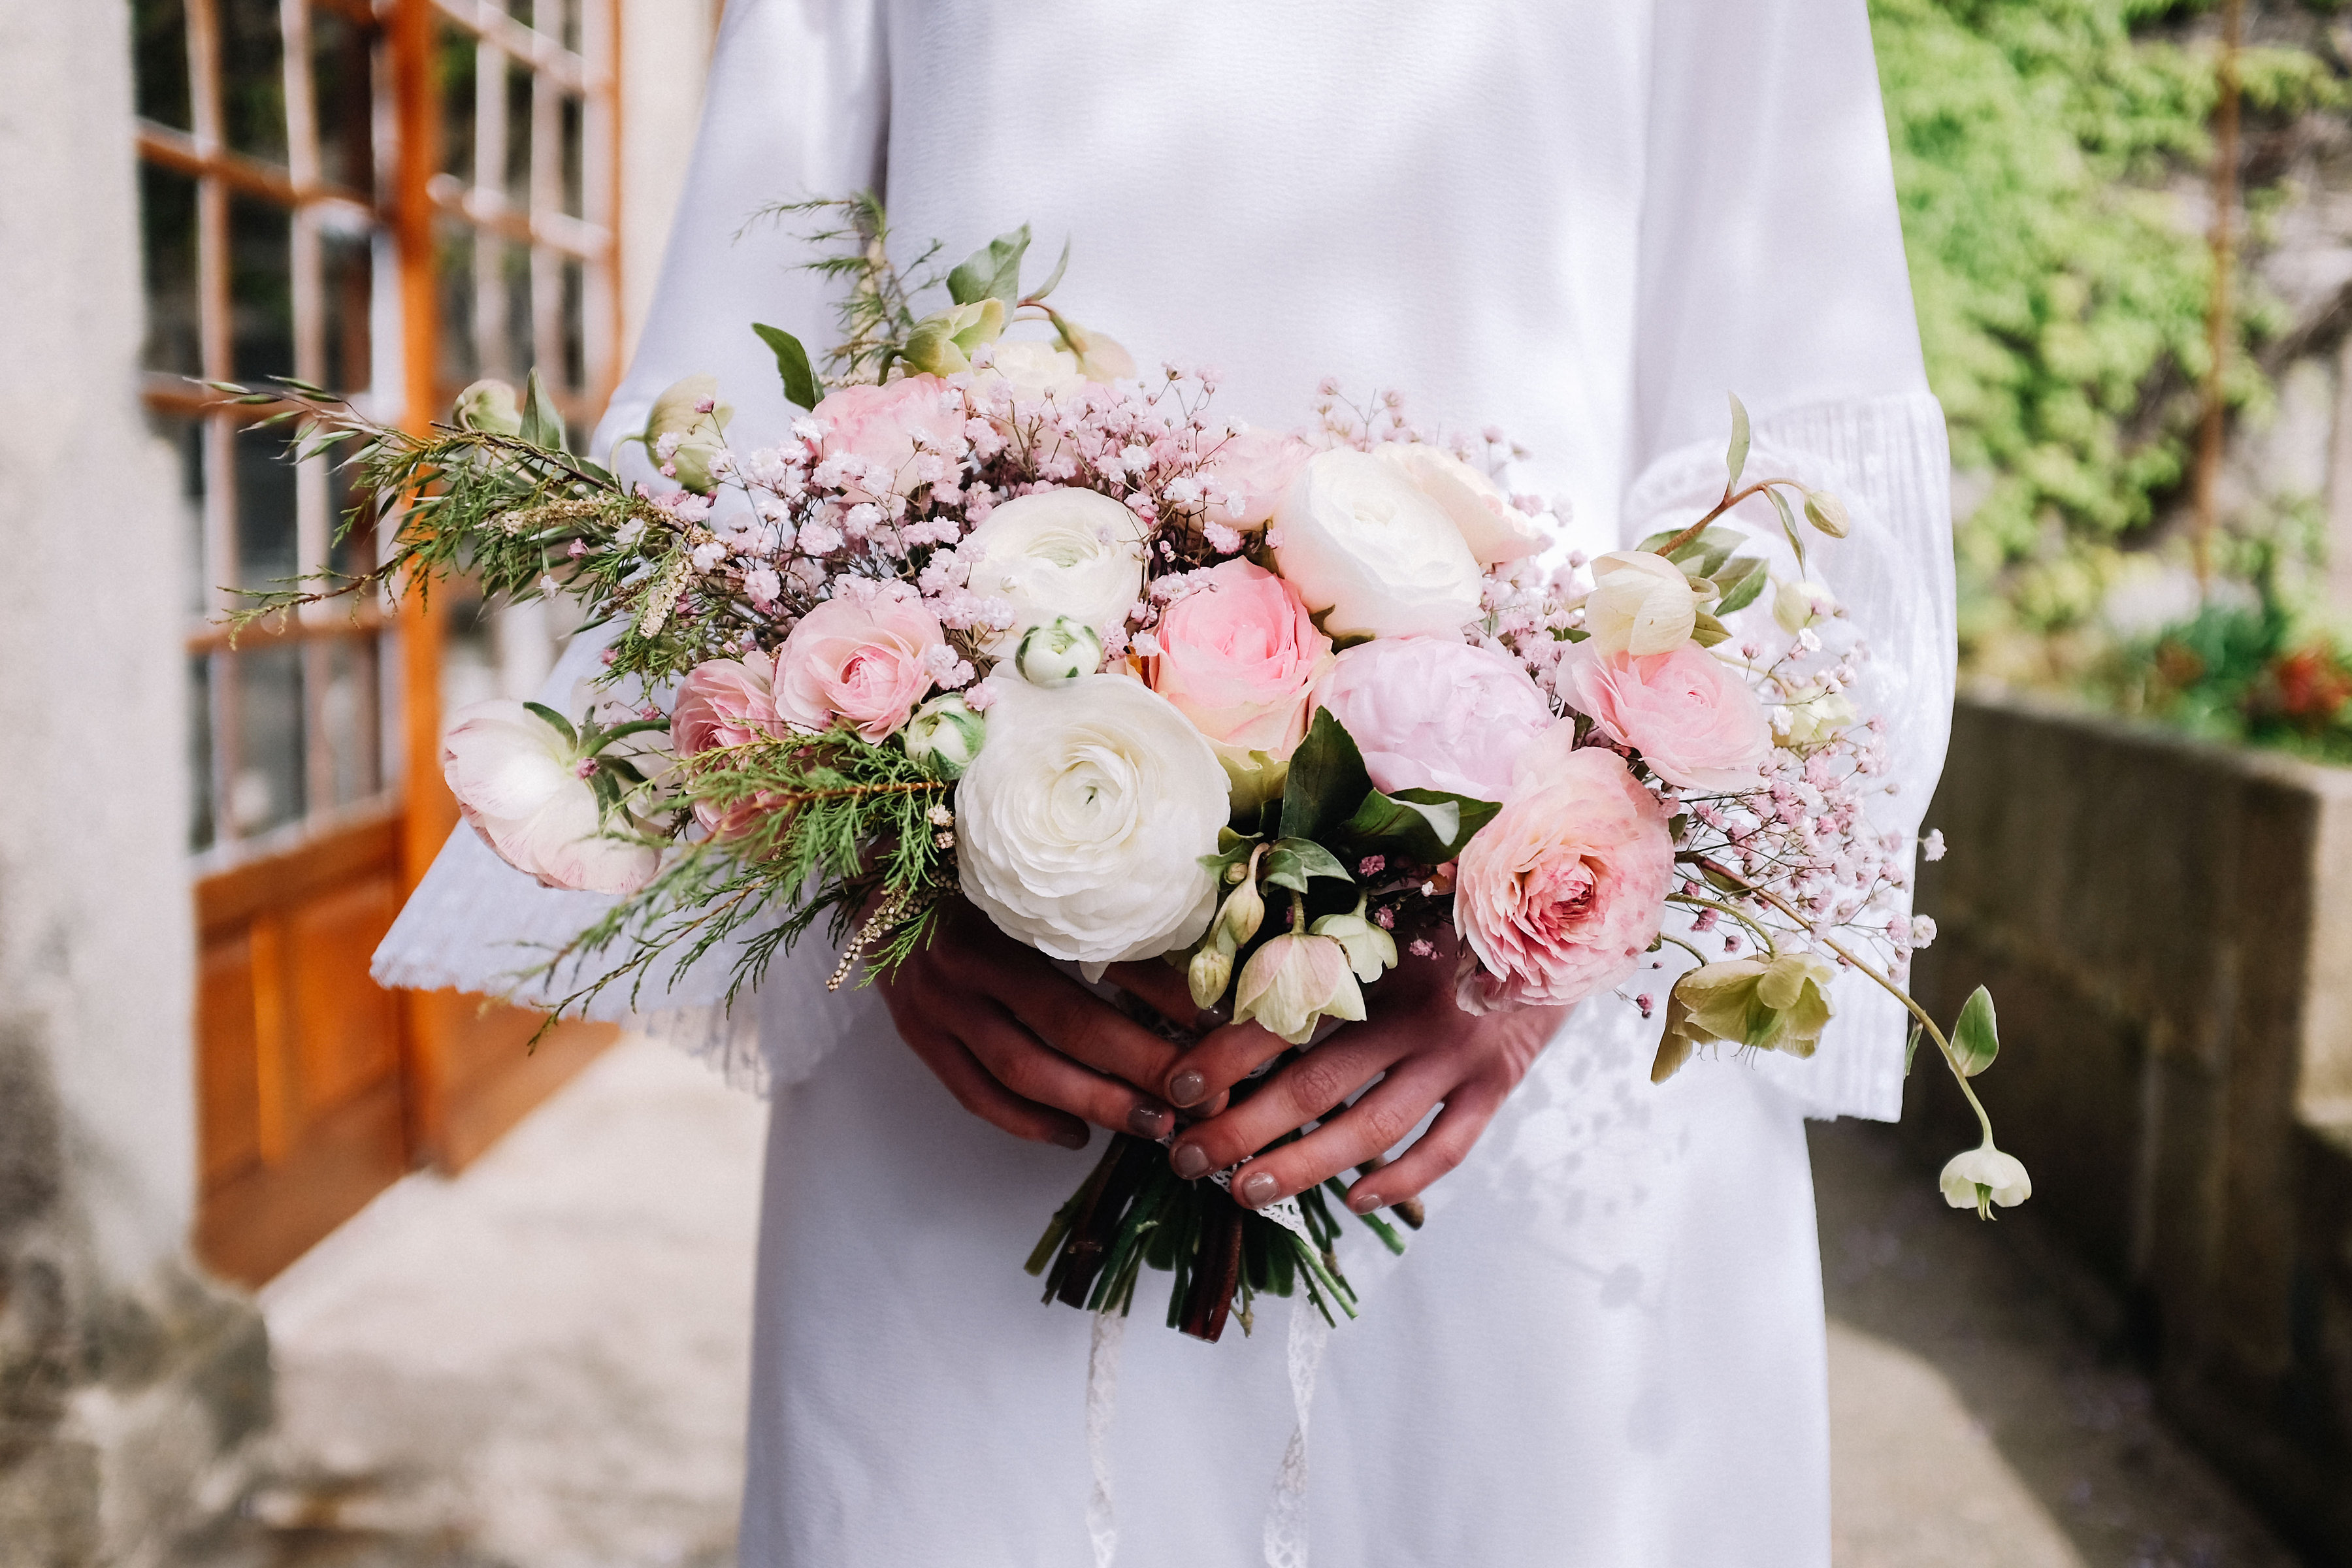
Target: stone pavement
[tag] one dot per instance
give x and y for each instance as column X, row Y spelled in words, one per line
column 541, row 1364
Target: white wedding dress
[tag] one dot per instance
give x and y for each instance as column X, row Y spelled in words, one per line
column 1585, row 224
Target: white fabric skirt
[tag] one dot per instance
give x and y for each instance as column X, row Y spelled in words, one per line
column 1606, row 1349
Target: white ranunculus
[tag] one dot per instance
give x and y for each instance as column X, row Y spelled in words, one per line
column 1032, row 369
column 1067, row 553
column 1491, row 526
column 518, row 782
column 1081, row 825
column 1358, row 540
column 1984, row 1176
column 1641, row 604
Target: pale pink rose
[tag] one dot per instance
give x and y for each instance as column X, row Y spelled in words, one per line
column 1254, row 467
column 518, row 786
column 1239, row 656
column 1693, row 720
column 1431, row 713
column 724, row 703
column 1563, row 892
column 866, row 661
column 882, row 425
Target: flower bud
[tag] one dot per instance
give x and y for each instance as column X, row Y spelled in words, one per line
column 941, row 343
column 1982, row 1177
column 1243, row 911
column 1291, row 983
column 488, row 406
column 1371, row 951
column 681, row 411
column 1826, row 513
column 1100, row 356
column 1211, row 969
column 1797, row 605
column 944, row 735
column 1058, row 650
column 1811, row 715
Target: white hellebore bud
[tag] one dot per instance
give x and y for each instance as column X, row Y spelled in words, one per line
column 1243, row 911
column 488, row 406
column 1828, row 513
column 1797, row 605
column 944, row 735
column 518, row 784
column 1293, row 983
column 679, row 411
column 1984, row 1176
column 1081, row 825
column 942, row 342
column 1068, row 552
column 1491, row 526
column 1357, row 538
column 1058, row 650
column 1210, row 971
column 1100, row 356
column 1641, row 604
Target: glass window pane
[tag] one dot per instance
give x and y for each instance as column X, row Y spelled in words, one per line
column 185, row 437
column 200, row 752
column 167, row 232
column 454, row 262
column 266, row 550
column 454, row 70
column 159, row 47
column 346, row 712
column 573, row 114
column 518, row 170
column 515, row 271
column 253, row 77
column 265, row 780
column 341, row 57
column 347, row 279
column 576, row 325
column 260, row 289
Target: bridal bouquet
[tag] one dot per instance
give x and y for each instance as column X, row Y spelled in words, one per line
column 1003, row 619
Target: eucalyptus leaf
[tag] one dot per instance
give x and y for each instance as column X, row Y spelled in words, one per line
column 1976, row 1040
column 1736, row 586
column 994, row 271
column 1054, row 276
column 1703, row 555
column 1788, row 525
column 542, row 426
column 792, row 364
column 1328, row 781
column 1736, row 459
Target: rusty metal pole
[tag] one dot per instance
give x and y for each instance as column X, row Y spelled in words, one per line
column 2217, row 310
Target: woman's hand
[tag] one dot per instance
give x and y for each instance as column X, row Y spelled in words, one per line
column 1431, row 1053
column 1022, row 1045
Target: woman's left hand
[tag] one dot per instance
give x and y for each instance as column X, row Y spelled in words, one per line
column 1430, row 1052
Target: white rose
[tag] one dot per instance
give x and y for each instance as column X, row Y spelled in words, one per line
column 518, row 782
column 1358, row 540
column 1491, row 526
column 1984, row 1176
column 1080, row 825
column 1032, row 369
column 1641, row 604
column 1068, row 553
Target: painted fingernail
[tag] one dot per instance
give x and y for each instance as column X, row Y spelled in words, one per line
column 1362, row 1199
column 1149, row 1122
column 1071, row 1137
column 1187, row 1087
column 1190, row 1163
column 1257, row 1189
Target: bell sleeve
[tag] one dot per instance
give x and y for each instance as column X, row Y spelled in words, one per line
column 1771, row 267
column 796, row 106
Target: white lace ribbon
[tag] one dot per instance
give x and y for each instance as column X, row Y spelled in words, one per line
column 1102, row 1397
column 1286, row 1512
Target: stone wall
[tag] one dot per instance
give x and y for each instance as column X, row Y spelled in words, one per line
column 124, row 1374
column 2167, row 929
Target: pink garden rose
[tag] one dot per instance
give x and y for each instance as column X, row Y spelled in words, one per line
column 1563, row 892
column 1693, row 720
column 724, row 703
column 1431, row 713
column 1254, row 467
column 867, row 659
column 1239, row 658
column 881, row 426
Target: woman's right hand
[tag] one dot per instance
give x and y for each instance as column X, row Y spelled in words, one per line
column 1022, row 1045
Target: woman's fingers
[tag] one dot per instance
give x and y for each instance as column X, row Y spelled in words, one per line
column 1468, row 1107
column 1197, row 1079
column 1076, row 1022
column 1381, row 1118
column 978, row 1092
column 1166, row 992
column 1291, row 1098
column 1032, row 1071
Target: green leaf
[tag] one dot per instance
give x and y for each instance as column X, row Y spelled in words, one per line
column 1706, row 631
column 1053, row 278
column 1911, row 1047
column 1739, row 583
column 1704, row 555
column 542, row 424
column 1788, row 525
column 555, row 722
column 1292, row 861
column 792, row 364
column 1736, row 459
column 993, row 269
column 1327, row 781
column 1975, row 1040
column 1427, row 826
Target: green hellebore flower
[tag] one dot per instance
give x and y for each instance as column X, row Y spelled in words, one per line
column 488, row 406
column 942, row 342
column 1779, row 1003
column 1371, row 951
column 700, row 432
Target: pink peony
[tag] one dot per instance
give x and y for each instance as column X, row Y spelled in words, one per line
column 866, row 660
column 1563, row 892
column 883, row 426
column 1254, row 467
column 724, row 703
column 1693, row 720
column 1239, row 656
column 1430, row 713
